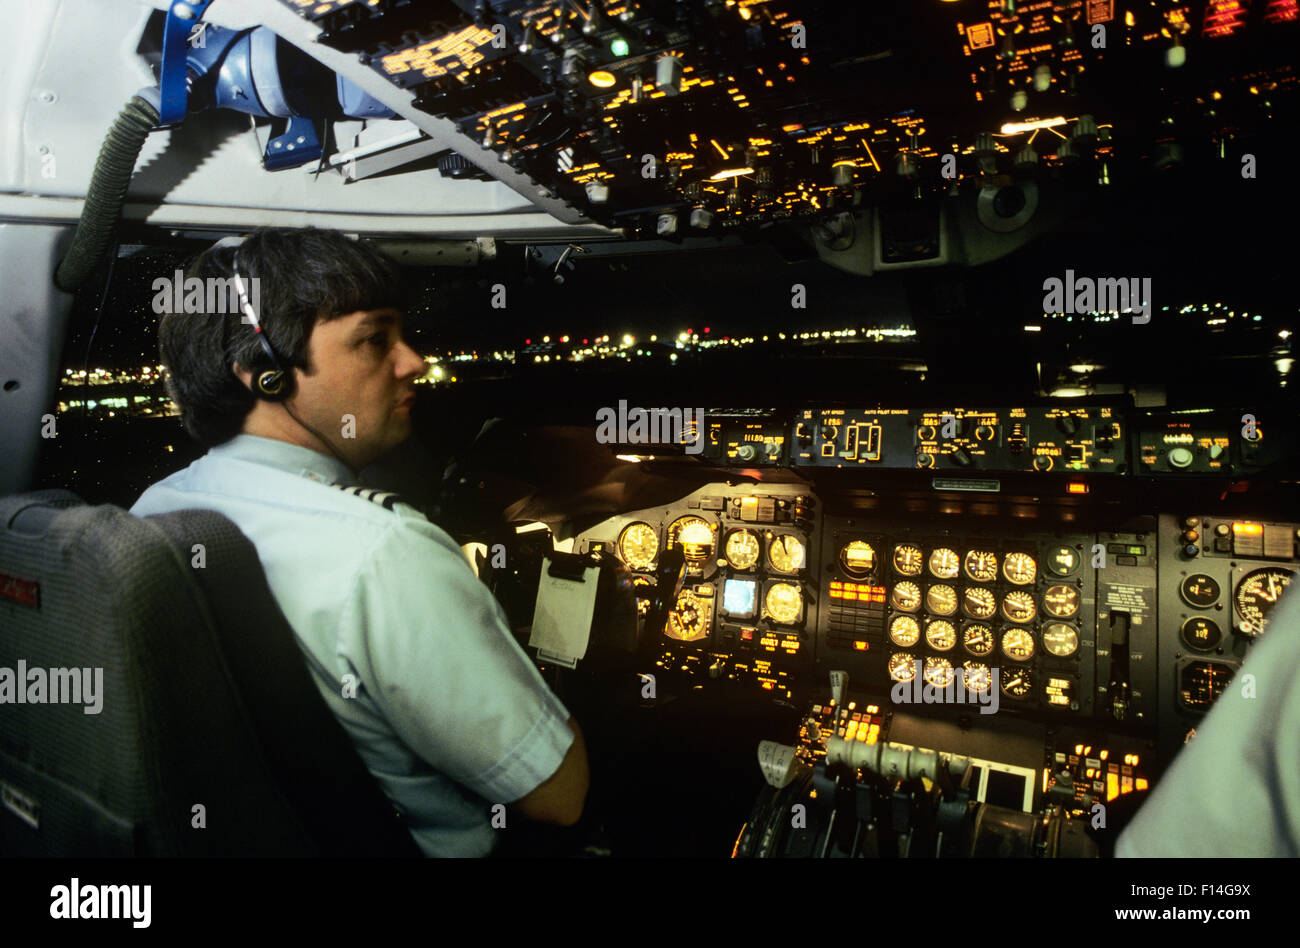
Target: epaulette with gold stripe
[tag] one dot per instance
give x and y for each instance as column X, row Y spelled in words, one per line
column 385, row 499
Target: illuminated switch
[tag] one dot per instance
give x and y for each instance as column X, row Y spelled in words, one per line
column 1142, row 783
column 1112, row 786
column 1098, row 786
column 1247, row 539
column 1060, row 758
column 1125, row 784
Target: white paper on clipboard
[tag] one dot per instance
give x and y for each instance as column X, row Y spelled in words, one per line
column 562, row 616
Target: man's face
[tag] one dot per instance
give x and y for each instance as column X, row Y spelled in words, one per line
column 360, row 366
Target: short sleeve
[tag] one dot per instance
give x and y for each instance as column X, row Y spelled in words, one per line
column 1234, row 790
column 435, row 653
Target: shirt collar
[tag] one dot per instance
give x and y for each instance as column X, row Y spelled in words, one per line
column 286, row 457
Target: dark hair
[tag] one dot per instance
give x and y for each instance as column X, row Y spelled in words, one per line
column 304, row 276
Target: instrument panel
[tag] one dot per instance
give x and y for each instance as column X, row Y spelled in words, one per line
column 1120, row 634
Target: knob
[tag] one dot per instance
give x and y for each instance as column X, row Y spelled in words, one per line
column 1216, row 452
column 1189, row 522
column 1043, row 462
column 961, row 457
column 1067, row 424
column 802, row 436
column 925, row 432
column 1221, row 530
column 1190, row 536
column 984, row 433
column 1191, row 550
column 772, row 449
column 745, row 452
column 925, row 460
column 1180, row 457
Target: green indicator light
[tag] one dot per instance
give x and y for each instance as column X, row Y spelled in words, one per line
column 619, row 47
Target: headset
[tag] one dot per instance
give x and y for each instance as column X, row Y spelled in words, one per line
column 273, row 385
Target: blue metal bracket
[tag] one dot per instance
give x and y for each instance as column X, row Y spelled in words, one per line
column 298, row 145
column 183, row 19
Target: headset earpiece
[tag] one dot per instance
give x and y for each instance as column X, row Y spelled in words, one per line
column 273, row 385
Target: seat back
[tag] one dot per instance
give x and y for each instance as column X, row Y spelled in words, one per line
column 210, row 737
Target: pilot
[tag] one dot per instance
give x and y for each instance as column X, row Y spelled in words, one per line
column 1235, row 789
column 292, row 398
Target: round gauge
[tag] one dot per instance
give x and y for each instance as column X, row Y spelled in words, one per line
column 858, row 559
column 977, row 639
column 786, row 554
column 979, row 603
column 695, row 536
column 638, row 545
column 902, row 666
column 1199, row 590
column 907, row 560
column 904, row 631
column 1061, row 601
column 1201, row 634
column 784, row 603
column 1060, row 639
column 944, row 563
column 977, row 676
column 906, row 597
column 687, row 622
column 1062, row 561
column 1018, row 644
column 1016, row 683
column 1019, row 569
column 743, row 549
column 938, row 672
column 1018, row 606
column 981, row 566
column 940, row 635
column 1257, row 594
column 941, row 600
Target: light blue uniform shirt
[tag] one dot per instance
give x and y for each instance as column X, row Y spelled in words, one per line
column 449, row 714
column 1235, row 789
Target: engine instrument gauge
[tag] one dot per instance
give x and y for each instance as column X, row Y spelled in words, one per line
column 902, row 666
column 1199, row 590
column 695, row 537
column 978, row 640
column 784, row 603
column 1062, row 561
column 1016, row 682
column 1201, row 634
column 981, row 566
column 1018, row 606
column 944, row 563
column 1061, row 601
column 979, row 603
column 1060, row 639
column 638, row 545
column 1257, row 594
column 743, row 549
column 689, row 620
column 941, row 600
column 977, row 676
column 940, row 635
column 1018, row 644
column 786, row 554
column 1019, row 569
column 907, row 560
column 858, row 559
column 904, row 631
column 905, row 597
column 938, row 672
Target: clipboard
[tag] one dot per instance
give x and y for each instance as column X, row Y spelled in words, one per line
column 566, row 603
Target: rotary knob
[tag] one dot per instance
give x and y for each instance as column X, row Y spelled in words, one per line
column 1043, row 462
column 1180, row 458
